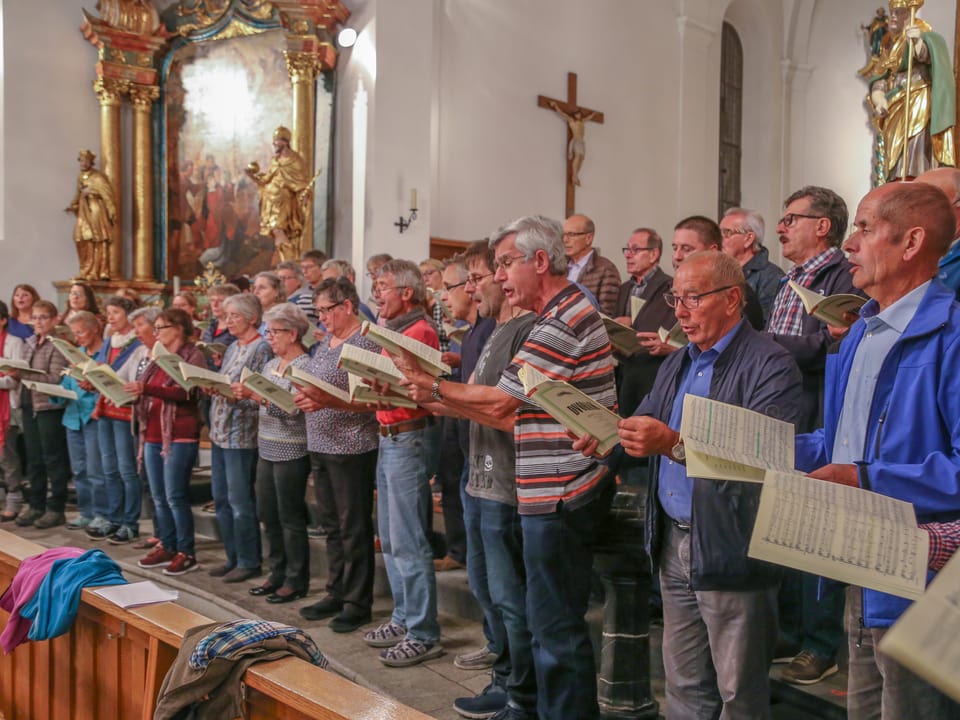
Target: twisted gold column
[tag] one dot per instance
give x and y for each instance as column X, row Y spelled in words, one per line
column 109, row 93
column 141, row 99
column 303, row 68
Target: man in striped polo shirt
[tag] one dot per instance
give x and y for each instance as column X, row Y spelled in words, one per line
column 561, row 493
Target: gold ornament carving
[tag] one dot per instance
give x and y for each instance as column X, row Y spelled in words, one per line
column 143, row 96
column 110, row 91
column 302, row 65
column 209, row 278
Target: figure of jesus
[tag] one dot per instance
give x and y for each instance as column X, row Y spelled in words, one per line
column 577, row 149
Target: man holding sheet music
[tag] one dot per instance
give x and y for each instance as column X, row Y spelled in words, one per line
column 719, row 606
column 892, row 415
column 561, row 493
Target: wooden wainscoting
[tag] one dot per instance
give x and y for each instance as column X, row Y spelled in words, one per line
column 112, row 662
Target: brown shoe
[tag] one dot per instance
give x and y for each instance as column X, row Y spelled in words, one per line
column 807, row 669
column 446, row 564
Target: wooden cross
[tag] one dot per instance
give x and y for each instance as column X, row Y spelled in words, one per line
column 575, row 117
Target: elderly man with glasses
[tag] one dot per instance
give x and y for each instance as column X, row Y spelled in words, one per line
column 719, row 606
column 586, row 267
column 742, row 232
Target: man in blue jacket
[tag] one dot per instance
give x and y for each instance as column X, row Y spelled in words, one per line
column 719, row 606
column 892, row 415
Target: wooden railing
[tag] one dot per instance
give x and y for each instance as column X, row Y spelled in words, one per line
column 112, row 662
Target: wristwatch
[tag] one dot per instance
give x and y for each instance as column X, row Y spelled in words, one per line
column 435, row 390
column 678, row 452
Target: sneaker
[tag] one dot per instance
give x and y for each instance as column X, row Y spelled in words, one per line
column 102, row 531
column 511, row 712
column 79, row 522
column 28, row 516
column 157, row 558
column 181, row 564
column 123, row 535
column 349, row 620
column 491, row 700
column 784, row 652
column 446, row 563
column 476, row 660
column 51, row 518
column 410, row 652
column 807, row 669
column 386, row 635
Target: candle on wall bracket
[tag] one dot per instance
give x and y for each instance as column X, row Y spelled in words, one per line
column 403, row 223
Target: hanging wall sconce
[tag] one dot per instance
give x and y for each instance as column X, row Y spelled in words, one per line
column 404, row 223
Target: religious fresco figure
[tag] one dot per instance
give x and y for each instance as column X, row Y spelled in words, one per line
column 285, row 192
column 911, row 140
column 96, row 209
column 577, row 148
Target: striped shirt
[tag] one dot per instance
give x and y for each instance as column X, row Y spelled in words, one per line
column 567, row 342
column 786, row 317
column 281, row 436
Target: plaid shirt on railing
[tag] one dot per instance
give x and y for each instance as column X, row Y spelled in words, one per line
column 786, row 318
column 944, row 542
column 232, row 638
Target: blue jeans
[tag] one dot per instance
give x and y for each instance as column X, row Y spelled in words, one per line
column 477, row 576
column 502, row 535
column 233, row 474
column 85, row 462
column 403, row 504
column 558, row 556
column 120, row 472
column 169, row 481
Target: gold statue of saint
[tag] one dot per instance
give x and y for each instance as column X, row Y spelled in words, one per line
column 96, row 209
column 913, row 134
column 285, row 194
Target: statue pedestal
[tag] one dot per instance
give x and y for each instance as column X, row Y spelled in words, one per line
column 150, row 292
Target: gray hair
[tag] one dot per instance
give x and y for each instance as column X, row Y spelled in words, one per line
column 342, row 267
column 148, row 313
column 457, row 262
column 274, row 281
column 224, row 290
column 87, row 318
column 753, row 221
column 725, row 270
column 247, row 305
column 292, row 266
column 406, row 274
column 290, row 316
column 824, row 202
column 536, row 232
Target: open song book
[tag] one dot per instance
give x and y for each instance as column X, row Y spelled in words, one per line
column 623, row 338
column 71, row 353
column 727, row 442
column 263, row 387
column 572, row 408
column 840, row 532
column 371, row 366
column 21, row 366
column 674, row 337
column 924, row 639
column 170, row 363
column 430, row 359
column 829, row 308
column 105, row 379
column 203, row 378
column 51, row 390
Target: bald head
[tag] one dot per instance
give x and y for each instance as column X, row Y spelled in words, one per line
column 947, row 179
column 577, row 236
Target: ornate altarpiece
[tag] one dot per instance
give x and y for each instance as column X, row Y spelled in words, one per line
column 207, row 84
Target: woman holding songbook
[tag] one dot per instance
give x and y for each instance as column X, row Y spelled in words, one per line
column 43, row 432
column 233, row 441
column 83, row 439
column 122, row 351
column 169, row 424
column 217, row 331
column 342, row 439
column 11, row 465
column 283, row 466
column 21, row 310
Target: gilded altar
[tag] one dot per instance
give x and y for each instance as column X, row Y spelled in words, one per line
column 206, row 83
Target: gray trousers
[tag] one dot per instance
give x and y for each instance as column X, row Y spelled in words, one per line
column 878, row 688
column 717, row 645
column 11, row 467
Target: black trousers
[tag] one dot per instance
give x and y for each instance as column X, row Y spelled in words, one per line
column 46, row 444
column 282, row 507
column 343, row 486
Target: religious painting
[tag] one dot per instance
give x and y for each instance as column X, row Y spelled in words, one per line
column 222, row 101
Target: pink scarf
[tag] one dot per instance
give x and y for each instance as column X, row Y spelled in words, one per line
column 4, row 401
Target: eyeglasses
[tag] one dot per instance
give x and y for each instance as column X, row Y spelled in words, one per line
column 691, row 302
column 158, row 328
column 451, row 288
column 789, row 219
column 328, row 308
column 271, row 332
column 575, row 234
column 730, row 232
column 39, row 318
column 630, row 250
column 505, row 261
column 475, row 279
column 429, row 271
column 384, row 288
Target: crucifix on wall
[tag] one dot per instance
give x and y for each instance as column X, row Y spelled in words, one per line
column 576, row 117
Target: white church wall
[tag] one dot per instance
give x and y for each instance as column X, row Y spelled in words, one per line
column 835, row 146
column 50, row 111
